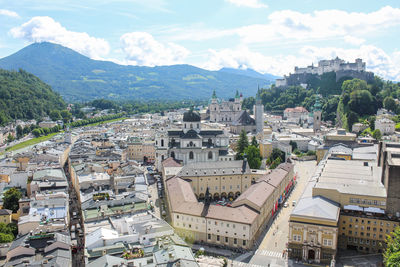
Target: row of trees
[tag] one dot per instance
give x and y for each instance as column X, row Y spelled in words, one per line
column 45, row 131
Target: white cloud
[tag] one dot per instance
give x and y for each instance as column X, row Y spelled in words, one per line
column 289, row 25
column 353, row 40
column 45, row 29
column 141, row 48
column 248, row 3
column 382, row 64
column 319, row 25
column 9, row 13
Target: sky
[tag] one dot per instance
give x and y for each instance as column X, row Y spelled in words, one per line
column 268, row 36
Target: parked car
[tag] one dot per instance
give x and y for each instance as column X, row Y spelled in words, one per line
column 285, row 205
column 294, row 203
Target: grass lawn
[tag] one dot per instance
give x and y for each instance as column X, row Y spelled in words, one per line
column 30, row 142
column 40, row 139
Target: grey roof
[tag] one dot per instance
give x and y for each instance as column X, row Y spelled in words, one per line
column 214, row 168
column 317, row 208
column 244, row 119
column 107, row 260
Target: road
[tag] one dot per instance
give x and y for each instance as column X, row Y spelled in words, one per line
column 76, row 224
column 273, row 245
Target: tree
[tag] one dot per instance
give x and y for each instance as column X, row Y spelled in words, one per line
column 66, row 115
column 371, row 121
column 377, row 134
column 253, row 156
column 391, row 256
column 293, row 144
column 352, row 118
column 55, row 115
column 11, row 198
column 36, row 132
column 10, row 138
column 389, row 103
column 254, row 142
column 20, row 131
column 243, row 143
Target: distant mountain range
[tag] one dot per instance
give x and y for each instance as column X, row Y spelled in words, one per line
column 251, row 73
column 79, row 78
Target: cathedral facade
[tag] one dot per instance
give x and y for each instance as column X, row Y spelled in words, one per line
column 225, row 111
column 192, row 144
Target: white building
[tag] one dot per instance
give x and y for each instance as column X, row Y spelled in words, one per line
column 296, row 114
column 385, row 125
column 192, row 144
column 225, row 111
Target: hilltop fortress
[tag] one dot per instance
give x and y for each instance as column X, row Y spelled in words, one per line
column 301, row 76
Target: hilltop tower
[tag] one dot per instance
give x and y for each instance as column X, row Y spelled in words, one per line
column 317, row 115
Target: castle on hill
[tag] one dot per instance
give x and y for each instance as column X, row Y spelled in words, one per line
column 337, row 65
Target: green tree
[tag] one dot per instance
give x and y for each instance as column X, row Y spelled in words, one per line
column 6, row 238
column 352, row 118
column 389, row 103
column 253, row 156
column 391, row 256
column 371, row 121
column 11, row 198
column 10, row 138
column 254, row 142
column 377, row 134
column 66, row 115
column 242, row 144
column 20, row 131
column 36, row 132
column 55, row 115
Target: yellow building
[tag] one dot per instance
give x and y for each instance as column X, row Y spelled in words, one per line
column 265, row 149
column 5, row 216
column 224, row 179
column 355, row 188
column 255, row 193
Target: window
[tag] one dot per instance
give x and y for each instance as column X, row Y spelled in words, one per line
column 177, row 216
column 191, row 155
column 244, row 242
column 210, row 155
column 162, row 142
column 235, row 241
column 217, row 237
column 327, row 242
column 226, row 239
column 209, row 236
column 190, row 226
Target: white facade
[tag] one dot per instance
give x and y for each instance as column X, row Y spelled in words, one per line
column 385, row 125
column 225, row 111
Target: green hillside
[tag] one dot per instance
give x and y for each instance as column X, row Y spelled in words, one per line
column 78, row 78
column 353, row 100
column 24, row 96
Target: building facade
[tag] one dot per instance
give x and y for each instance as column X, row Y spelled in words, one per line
column 225, row 111
column 192, row 144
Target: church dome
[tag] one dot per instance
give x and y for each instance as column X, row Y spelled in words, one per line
column 191, row 116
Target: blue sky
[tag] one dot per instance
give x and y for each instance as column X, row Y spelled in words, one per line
column 265, row 35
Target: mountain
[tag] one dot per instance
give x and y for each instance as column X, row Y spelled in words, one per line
column 251, row 73
column 24, row 96
column 79, row 78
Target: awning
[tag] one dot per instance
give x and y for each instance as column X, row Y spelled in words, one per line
column 353, row 207
column 374, row 210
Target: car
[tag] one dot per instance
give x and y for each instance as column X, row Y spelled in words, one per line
column 285, row 205
column 229, row 205
column 294, row 203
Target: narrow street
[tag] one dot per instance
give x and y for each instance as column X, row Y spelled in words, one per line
column 273, row 245
column 76, row 226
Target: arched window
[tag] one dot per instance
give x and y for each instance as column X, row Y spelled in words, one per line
column 191, row 155
column 172, row 154
column 210, row 155
column 191, row 143
column 209, row 141
column 162, row 142
column 191, row 126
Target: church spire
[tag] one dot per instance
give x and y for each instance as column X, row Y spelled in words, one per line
column 237, row 94
column 214, row 95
